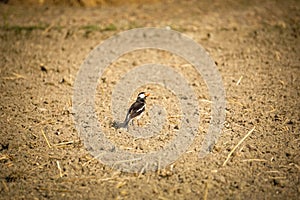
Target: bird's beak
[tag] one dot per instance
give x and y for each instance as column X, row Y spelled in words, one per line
column 147, row 94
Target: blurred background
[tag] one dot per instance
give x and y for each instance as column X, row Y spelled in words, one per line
column 85, row 3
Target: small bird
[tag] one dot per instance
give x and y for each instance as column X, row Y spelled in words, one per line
column 136, row 110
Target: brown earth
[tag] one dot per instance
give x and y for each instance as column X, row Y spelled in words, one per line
column 256, row 47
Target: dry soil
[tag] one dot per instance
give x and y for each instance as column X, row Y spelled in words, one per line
column 256, row 47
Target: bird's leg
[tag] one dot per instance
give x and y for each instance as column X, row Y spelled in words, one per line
column 138, row 122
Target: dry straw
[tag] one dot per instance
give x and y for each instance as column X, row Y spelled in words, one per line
column 240, row 142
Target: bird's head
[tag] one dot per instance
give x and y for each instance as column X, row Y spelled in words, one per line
column 143, row 95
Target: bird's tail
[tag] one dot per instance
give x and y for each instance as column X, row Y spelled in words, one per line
column 124, row 124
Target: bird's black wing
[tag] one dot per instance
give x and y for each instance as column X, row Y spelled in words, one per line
column 136, row 109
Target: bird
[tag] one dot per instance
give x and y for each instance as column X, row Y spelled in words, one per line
column 136, row 110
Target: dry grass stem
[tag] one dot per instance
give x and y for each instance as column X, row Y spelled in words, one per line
column 295, row 165
column 205, row 192
column 205, row 101
column 14, row 77
column 174, row 116
column 255, row 160
column 143, row 170
column 48, row 28
column 4, row 157
column 239, row 81
column 235, row 102
column 240, row 142
column 94, row 158
column 5, row 186
column 272, row 110
column 39, row 167
column 48, row 143
column 65, row 143
column 59, row 169
column 158, row 165
column 206, row 189
column 274, row 171
column 108, row 179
